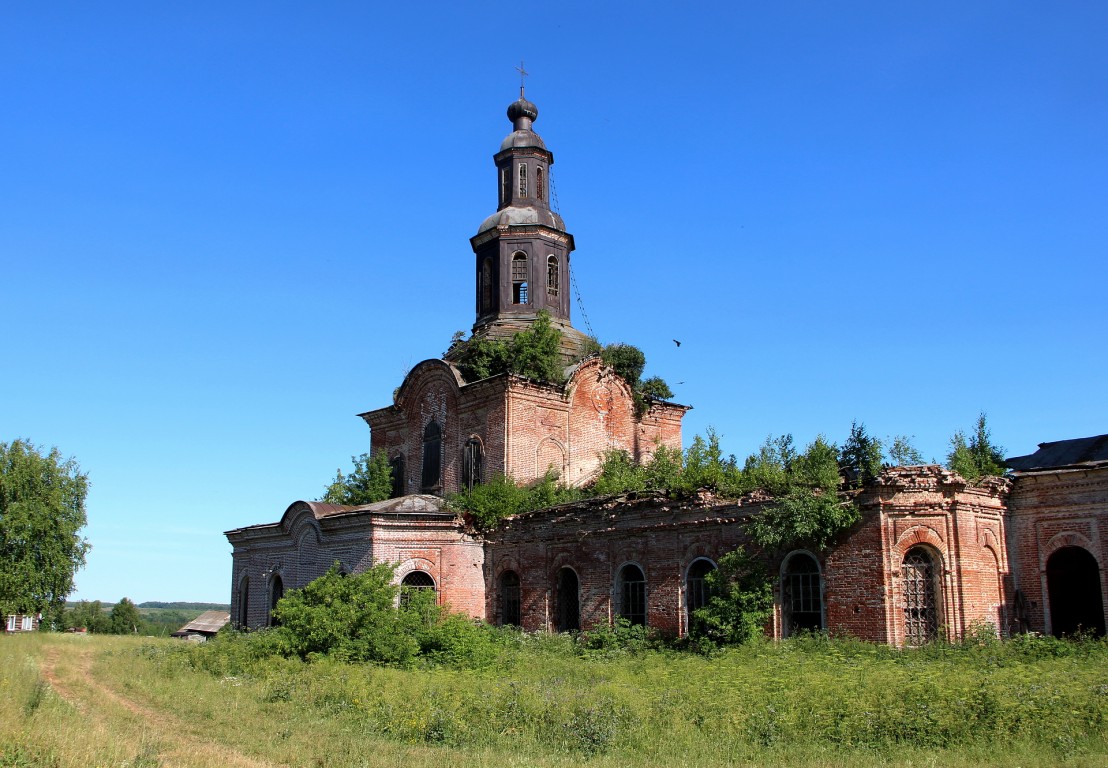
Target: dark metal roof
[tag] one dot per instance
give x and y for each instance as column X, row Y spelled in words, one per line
column 1063, row 453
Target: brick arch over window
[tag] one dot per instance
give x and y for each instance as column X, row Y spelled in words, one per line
column 1066, row 539
column 919, row 535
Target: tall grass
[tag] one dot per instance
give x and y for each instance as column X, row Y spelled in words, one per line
column 546, row 700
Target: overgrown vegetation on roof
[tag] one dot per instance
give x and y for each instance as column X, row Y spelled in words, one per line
column 535, row 354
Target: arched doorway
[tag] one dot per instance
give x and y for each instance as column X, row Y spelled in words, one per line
column 244, row 603
column 1073, row 586
column 567, row 605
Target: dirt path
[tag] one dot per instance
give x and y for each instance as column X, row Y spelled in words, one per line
column 178, row 746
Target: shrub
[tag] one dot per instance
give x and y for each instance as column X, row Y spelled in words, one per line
column 740, row 601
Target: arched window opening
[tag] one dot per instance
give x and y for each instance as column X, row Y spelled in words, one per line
column 432, row 457
column 519, row 278
column 509, row 599
column 473, row 461
column 396, row 476
column 416, row 580
column 631, row 593
column 696, row 588
column 1073, row 587
column 567, row 606
column 921, row 596
column 505, row 178
column 540, row 190
column 244, row 603
column 552, row 276
column 276, row 592
column 801, row 594
column 522, row 180
column 486, row 286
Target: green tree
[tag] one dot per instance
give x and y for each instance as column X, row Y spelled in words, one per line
column 976, row 456
column 740, row 601
column 349, row 617
column 534, row 353
column 626, row 360
column 370, row 481
column 860, row 456
column 124, row 619
column 769, row 468
column 89, row 616
column 902, row 453
column 42, row 512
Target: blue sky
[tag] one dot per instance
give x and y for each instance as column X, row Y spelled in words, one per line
column 226, row 229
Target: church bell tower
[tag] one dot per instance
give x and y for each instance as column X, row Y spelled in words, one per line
column 522, row 251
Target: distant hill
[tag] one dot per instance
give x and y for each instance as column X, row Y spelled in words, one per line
column 186, row 606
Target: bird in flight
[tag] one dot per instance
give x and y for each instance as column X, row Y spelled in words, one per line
column 675, row 341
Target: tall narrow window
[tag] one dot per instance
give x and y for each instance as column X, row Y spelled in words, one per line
column 552, row 275
column 505, row 185
column 472, row 463
column 12, row 622
column 921, row 618
column 396, row 476
column 486, row 286
column 276, row 592
column 540, row 190
column 567, row 605
column 509, row 599
column 522, row 180
column 801, row 596
column 244, row 603
column 631, row 593
column 696, row 589
column 519, row 278
column 432, row 457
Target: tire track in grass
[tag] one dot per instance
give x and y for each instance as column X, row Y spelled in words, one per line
column 172, row 732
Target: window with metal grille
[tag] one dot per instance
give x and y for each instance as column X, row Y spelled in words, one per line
column 416, row 580
column 539, row 192
column 519, row 278
column 631, row 590
column 509, row 599
column 801, row 594
column 696, row 588
column 505, row 177
column 552, row 275
column 432, row 456
column 472, row 463
column 918, row 574
column 567, row 606
column 522, row 180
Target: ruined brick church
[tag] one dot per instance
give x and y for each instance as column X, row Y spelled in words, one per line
column 933, row 556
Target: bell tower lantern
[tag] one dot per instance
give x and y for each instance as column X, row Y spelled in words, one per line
column 522, row 251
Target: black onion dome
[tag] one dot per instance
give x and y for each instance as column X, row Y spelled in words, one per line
column 522, row 108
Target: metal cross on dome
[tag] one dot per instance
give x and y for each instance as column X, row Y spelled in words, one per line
column 522, row 74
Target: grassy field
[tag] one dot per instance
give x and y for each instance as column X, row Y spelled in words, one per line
column 115, row 701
